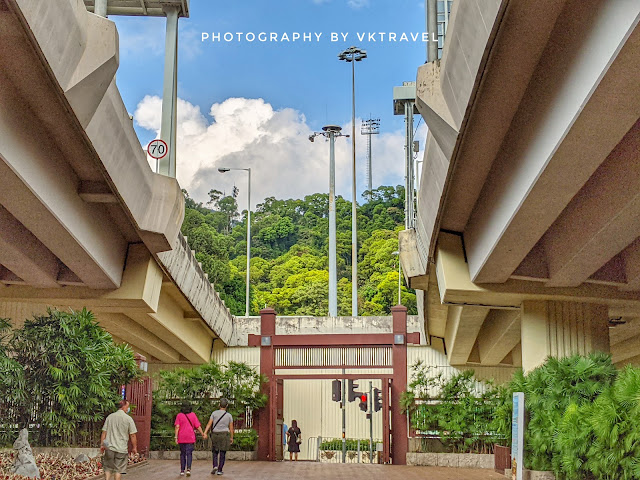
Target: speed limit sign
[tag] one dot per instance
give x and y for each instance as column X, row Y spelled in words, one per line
column 157, row 149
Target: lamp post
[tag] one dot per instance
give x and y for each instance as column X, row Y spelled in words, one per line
column 353, row 55
column 331, row 131
column 397, row 252
column 248, row 170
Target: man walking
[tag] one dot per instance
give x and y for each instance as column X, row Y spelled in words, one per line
column 221, row 435
column 114, row 442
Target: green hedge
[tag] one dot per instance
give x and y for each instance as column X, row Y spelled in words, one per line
column 243, row 441
column 352, row 444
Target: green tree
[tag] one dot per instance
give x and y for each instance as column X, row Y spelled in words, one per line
column 70, row 370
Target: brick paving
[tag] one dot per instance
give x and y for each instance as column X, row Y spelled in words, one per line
column 170, row 469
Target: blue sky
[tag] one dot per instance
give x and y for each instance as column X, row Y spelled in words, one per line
column 304, row 79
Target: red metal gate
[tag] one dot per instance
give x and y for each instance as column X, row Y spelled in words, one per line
column 395, row 439
column 139, row 396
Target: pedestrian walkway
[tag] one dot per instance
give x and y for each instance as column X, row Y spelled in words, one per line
column 169, row 470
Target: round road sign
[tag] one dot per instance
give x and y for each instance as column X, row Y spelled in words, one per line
column 157, row 149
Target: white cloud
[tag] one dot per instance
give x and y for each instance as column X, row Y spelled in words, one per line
column 355, row 4
column 246, row 133
column 358, row 3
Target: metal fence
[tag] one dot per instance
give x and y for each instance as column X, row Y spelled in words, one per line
column 329, row 450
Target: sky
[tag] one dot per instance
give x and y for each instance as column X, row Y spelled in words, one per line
column 253, row 104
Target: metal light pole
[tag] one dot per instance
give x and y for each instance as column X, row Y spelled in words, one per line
column 352, row 55
column 397, row 252
column 332, row 131
column 248, row 170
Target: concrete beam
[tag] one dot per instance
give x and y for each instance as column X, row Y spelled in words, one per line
column 96, row 192
column 138, row 337
column 39, row 188
column 193, row 340
column 23, row 254
column 585, row 84
column 456, row 288
column 625, row 350
column 601, row 221
column 463, row 326
column 631, row 258
column 412, row 266
column 142, row 278
column 620, row 333
column 499, row 335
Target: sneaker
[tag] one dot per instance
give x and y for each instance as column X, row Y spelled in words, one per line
column 214, row 471
column 188, row 473
column 219, row 472
column 182, row 474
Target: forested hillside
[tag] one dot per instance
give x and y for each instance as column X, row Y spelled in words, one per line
column 289, row 252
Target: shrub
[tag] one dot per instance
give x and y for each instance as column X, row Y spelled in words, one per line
column 61, row 371
column 456, row 410
column 203, row 386
column 352, row 444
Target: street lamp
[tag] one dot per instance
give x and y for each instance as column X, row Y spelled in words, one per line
column 353, row 55
column 331, row 131
column 248, row 170
column 397, row 252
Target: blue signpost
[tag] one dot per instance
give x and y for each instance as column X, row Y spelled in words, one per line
column 517, row 437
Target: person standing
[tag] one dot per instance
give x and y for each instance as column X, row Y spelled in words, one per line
column 186, row 425
column 294, row 439
column 118, row 429
column 221, row 435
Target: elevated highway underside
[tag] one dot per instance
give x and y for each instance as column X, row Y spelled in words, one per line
column 84, row 222
column 527, row 238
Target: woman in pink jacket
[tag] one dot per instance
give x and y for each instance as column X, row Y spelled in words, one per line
column 186, row 425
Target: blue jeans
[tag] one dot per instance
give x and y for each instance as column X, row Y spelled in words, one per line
column 218, row 462
column 186, row 455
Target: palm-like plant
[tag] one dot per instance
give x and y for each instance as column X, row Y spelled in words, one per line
column 70, row 372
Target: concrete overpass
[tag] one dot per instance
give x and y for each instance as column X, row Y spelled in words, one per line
column 527, row 237
column 84, row 222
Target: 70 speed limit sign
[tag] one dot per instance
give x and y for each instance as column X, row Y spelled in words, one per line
column 157, row 149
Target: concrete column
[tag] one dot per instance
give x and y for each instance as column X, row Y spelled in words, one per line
column 399, row 436
column 432, row 28
column 167, row 165
column 561, row 329
column 266, row 416
column 100, row 8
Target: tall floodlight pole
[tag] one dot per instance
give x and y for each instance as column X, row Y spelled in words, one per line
column 352, row 55
column 332, row 131
column 248, row 170
column 370, row 127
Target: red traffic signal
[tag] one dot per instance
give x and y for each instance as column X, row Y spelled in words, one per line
column 363, row 402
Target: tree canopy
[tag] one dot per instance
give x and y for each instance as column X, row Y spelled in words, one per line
column 289, row 252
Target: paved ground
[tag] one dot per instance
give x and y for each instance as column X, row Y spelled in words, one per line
column 169, row 470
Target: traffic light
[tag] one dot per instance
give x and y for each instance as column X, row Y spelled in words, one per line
column 336, row 391
column 352, row 391
column 363, row 403
column 377, row 401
